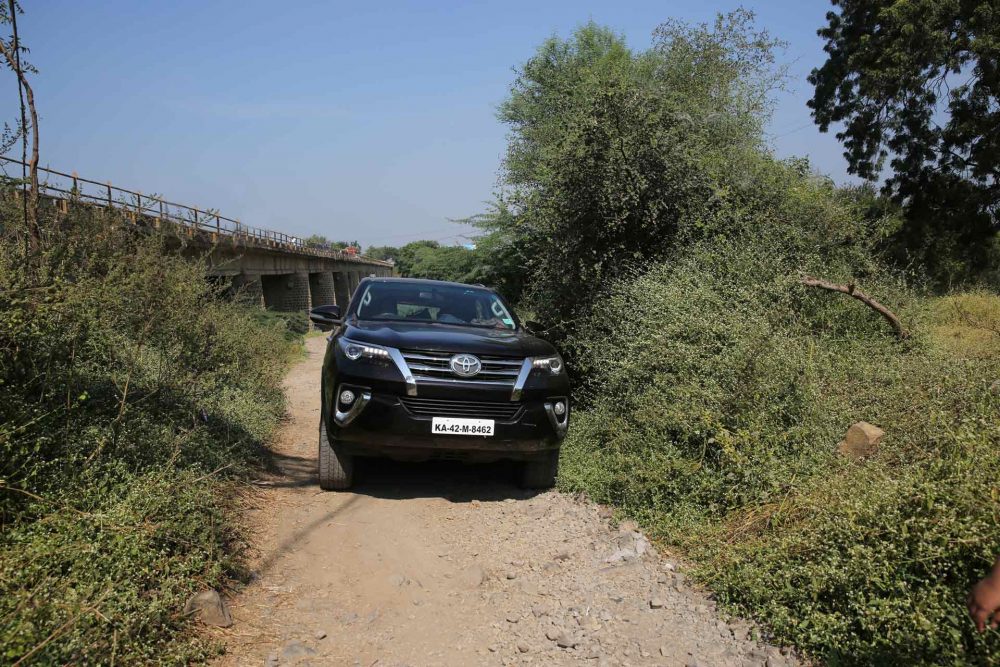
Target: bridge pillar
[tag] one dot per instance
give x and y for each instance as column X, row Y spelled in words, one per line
column 321, row 289
column 287, row 292
column 247, row 288
column 341, row 289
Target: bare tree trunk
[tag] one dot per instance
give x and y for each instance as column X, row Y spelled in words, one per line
column 12, row 54
column 853, row 291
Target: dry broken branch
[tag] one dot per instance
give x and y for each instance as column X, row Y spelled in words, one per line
column 853, row 291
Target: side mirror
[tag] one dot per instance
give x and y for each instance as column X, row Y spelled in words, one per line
column 325, row 317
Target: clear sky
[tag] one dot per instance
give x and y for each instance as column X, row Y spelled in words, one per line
column 361, row 121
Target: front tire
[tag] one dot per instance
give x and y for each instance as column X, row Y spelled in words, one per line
column 541, row 474
column 336, row 467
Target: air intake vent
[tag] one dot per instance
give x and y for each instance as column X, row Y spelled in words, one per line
column 435, row 407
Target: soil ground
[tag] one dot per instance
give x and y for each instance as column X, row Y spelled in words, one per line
column 453, row 565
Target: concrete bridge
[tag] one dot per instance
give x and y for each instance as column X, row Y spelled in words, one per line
column 287, row 279
column 273, row 269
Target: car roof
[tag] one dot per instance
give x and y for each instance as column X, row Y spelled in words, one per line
column 425, row 281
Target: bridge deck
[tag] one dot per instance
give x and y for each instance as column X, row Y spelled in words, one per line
column 200, row 223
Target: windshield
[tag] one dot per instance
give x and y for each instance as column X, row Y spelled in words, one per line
column 444, row 304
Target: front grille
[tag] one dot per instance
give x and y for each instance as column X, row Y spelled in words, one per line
column 437, row 407
column 426, row 365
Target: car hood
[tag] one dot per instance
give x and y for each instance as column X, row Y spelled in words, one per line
column 447, row 338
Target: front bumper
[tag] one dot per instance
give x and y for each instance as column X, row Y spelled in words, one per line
column 386, row 427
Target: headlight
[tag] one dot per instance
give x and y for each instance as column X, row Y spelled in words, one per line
column 553, row 365
column 355, row 351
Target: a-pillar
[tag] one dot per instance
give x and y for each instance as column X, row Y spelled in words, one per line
column 341, row 289
column 321, row 289
column 247, row 289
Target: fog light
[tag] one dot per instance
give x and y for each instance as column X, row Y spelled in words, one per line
column 559, row 408
column 347, row 397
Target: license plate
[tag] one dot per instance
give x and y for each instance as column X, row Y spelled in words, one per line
column 456, row 426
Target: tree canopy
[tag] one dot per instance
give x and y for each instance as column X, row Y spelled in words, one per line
column 917, row 89
column 320, row 241
column 430, row 259
column 614, row 154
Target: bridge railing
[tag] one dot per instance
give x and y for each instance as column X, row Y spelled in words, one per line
column 72, row 187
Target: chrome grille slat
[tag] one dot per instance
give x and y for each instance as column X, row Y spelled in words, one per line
column 425, row 367
column 447, row 371
column 424, row 357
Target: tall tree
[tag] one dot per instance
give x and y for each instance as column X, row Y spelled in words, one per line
column 612, row 153
column 916, row 85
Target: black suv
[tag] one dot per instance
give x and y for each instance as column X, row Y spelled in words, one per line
column 420, row 369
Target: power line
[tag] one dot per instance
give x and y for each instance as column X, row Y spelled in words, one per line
column 416, row 234
column 792, row 131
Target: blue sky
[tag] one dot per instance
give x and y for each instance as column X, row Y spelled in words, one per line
column 360, row 121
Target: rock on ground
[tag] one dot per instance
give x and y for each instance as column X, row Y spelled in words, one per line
column 861, row 440
column 210, row 608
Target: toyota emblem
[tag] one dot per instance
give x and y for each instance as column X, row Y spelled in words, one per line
column 465, row 365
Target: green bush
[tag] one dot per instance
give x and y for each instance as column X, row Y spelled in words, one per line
column 130, row 393
column 718, row 389
column 295, row 325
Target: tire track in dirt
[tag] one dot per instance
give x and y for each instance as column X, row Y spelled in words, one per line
column 453, row 565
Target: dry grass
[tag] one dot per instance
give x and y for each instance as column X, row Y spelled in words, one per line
column 967, row 325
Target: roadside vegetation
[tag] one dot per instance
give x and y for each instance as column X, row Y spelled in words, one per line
column 430, row 259
column 645, row 223
column 132, row 399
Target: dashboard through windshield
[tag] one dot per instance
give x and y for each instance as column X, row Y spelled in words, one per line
column 444, row 304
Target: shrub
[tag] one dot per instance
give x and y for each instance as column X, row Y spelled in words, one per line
column 717, row 399
column 129, row 393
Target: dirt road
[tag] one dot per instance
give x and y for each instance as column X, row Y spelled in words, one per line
column 445, row 564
